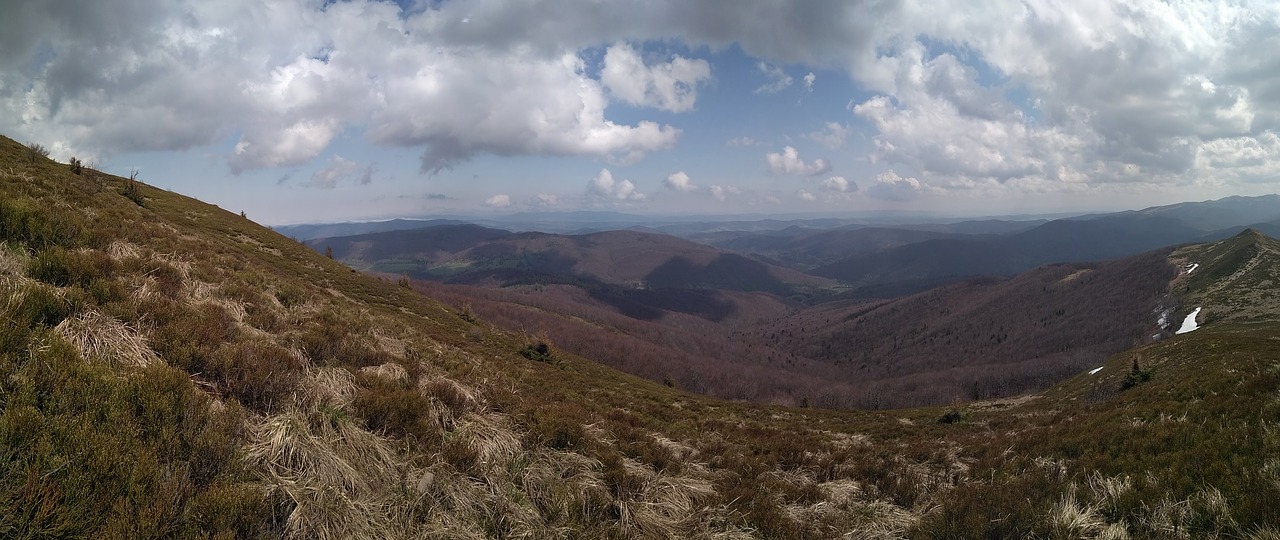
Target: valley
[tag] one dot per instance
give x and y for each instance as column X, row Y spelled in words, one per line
column 255, row 388
column 925, row 315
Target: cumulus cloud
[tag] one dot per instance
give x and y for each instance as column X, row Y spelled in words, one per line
column 778, row 79
column 839, row 184
column 722, row 193
column 498, row 201
column 806, row 196
column 284, row 79
column 679, row 181
column 337, row 169
column 603, row 188
column 832, row 136
column 1063, row 93
column 891, row 187
column 788, row 162
column 546, row 199
column 670, row 86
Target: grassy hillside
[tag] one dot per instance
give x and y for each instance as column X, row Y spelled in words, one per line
column 172, row 370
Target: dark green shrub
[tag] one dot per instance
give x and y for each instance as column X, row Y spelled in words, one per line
column 259, row 374
column 25, row 221
column 184, row 336
column 39, row 304
column 538, row 352
column 65, row 268
column 290, row 296
column 1136, row 375
column 394, row 408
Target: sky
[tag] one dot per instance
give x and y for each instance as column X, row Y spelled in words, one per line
column 300, row 111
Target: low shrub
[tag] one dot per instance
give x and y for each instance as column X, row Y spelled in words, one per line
column 65, row 268
column 37, row 304
column 261, row 375
column 394, row 408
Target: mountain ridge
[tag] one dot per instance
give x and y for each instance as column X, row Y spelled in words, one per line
column 254, row 388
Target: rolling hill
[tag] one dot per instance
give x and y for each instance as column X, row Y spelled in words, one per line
column 919, row 266
column 639, row 260
column 172, row 370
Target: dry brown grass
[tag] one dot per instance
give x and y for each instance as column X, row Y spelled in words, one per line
column 103, row 339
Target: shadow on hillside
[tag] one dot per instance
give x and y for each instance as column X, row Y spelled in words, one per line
column 651, row 304
column 726, row 272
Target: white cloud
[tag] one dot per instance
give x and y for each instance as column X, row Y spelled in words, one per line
column 1021, row 93
column 805, row 195
column 546, row 199
column 507, row 105
column 778, row 79
column 839, row 184
column 833, row 135
column 722, row 193
column 337, row 169
column 891, row 187
column 670, row 86
column 498, row 201
column 741, row 141
column 286, row 78
column 788, row 162
column 679, row 181
column 603, row 188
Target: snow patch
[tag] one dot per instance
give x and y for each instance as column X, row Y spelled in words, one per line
column 1094, row 371
column 1189, row 323
column 1193, row 267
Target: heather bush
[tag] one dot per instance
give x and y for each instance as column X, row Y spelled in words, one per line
column 260, row 374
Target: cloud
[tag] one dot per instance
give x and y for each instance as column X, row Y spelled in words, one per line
column 891, row 187
column 546, row 199
column 498, row 201
column 337, row 169
column 838, row 184
column 1033, row 93
column 806, row 196
column 788, row 162
column 722, row 193
column 679, row 181
column 507, row 105
column 366, row 177
column 832, row 136
column 778, row 79
column 436, row 197
column 284, row 79
column 603, row 188
column 670, row 86
column 741, row 141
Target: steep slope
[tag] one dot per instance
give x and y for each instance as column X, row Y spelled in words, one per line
column 168, row 369
column 984, row 337
column 1238, row 277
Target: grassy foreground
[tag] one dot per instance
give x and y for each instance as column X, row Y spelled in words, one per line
column 169, row 369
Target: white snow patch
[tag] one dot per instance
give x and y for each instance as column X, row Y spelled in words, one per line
column 1193, row 267
column 1189, row 323
column 1095, row 370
